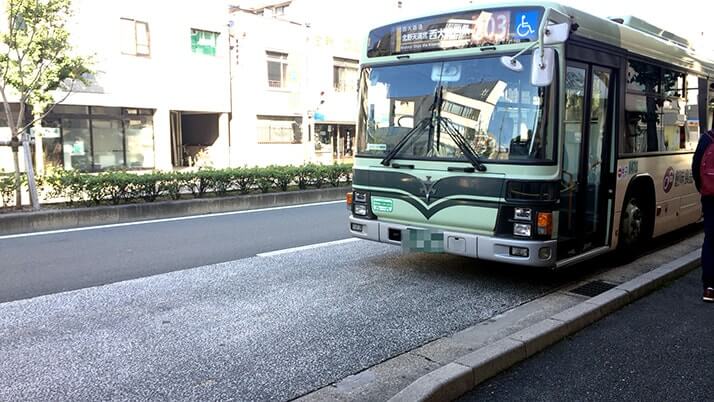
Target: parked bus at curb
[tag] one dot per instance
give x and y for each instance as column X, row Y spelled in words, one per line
column 527, row 133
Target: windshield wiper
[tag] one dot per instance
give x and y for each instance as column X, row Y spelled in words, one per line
column 463, row 144
column 452, row 131
column 435, row 122
column 393, row 153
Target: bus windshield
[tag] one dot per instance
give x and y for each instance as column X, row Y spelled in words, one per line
column 496, row 110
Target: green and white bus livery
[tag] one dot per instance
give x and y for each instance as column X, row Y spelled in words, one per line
column 526, row 133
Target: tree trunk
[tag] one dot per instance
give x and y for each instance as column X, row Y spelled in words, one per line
column 30, row 172
column 18, row 181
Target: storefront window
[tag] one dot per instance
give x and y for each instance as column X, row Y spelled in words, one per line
column 97, row 138
column 52, row 144
column 139, row 143
column 108, row 144
column 77, row 144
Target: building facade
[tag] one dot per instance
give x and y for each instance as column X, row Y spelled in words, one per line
column 215, row 83
column 294, row 86
column 159, row 98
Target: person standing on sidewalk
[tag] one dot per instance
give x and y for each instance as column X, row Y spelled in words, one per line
column 703, row 172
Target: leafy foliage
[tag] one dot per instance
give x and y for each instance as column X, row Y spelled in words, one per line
column 119, row 187
column 36, row 58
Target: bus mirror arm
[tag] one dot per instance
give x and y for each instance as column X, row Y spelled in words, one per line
column 542, row 68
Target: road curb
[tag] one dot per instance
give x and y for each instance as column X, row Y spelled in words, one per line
column 451, row 381
column 57, row 219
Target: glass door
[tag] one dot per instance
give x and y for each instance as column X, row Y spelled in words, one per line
column 588, row 129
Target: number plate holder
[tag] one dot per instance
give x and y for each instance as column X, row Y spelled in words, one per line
column 422, row 240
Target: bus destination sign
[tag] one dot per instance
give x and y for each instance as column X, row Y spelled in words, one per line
column 456, row 31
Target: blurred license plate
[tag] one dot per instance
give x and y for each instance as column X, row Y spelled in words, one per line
column 423, row 240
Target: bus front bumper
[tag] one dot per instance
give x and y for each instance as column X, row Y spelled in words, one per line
column 532, row 253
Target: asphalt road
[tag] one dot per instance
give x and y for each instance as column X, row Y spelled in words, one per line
column 261, row 328
column 659, row 348
column 40, row 265
column 248, row 328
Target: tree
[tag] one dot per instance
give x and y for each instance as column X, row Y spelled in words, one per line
column 36, row 59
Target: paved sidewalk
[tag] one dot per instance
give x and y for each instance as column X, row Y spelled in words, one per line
column 658, row 348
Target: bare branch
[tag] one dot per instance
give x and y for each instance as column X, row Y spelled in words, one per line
column 51, row 108
column 8, row 113
column 21, row 114
column 11, row 35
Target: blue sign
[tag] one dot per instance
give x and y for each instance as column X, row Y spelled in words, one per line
column 319, row 116
column 526, row 25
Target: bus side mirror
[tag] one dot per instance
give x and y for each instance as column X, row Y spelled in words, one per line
column 543, row 67
column 556, row 34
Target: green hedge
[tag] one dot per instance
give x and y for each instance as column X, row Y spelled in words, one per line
column 122, row 187
column 7, row 188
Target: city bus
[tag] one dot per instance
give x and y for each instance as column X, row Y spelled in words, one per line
column 526, row 133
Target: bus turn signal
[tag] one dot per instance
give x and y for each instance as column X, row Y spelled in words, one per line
column 545, row 223
column 348, row 197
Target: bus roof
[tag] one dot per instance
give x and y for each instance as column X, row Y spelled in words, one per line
column 629, row 33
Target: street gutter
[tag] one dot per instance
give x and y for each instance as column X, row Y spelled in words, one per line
column 448, row 367
column 453, row 380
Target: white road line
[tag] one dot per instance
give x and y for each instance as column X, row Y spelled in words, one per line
column 308, row 247
column 182, row 218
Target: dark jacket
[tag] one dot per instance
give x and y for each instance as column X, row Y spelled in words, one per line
column 704, row 142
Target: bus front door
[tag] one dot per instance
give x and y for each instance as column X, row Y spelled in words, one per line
column 584, row 219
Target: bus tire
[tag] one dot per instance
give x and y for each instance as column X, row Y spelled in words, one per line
column 636, row 221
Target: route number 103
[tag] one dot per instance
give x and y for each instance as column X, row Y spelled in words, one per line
column 492, row 28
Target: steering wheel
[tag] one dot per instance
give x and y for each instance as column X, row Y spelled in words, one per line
column 399, row 120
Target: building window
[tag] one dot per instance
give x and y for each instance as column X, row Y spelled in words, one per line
column 345, row 75
column 139, row 132
column 277, row 69
column 135, row 37
column 98, row 138
column 203, row 42
column 279, row 130
column 280, row 10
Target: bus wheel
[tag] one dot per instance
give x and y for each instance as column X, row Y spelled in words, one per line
column 632, row 225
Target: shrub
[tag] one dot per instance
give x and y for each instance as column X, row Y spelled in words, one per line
column 172, row 184
column 245, row 179
column 318, row 175
column 304, row 175
column 7, row 188
column 222, row 181
column 199, row 182
column 117, row 187
column 283, row 176
column 334, row 174
column 148, row 187
column 265, row 178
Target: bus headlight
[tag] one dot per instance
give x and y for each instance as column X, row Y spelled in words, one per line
column 360, row 210
column 522, row 214
column 360, row 196
column 522, row 229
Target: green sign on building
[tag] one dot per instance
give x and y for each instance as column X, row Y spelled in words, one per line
column 203, row 42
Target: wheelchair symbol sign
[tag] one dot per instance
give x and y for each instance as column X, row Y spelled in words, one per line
column 526, row 24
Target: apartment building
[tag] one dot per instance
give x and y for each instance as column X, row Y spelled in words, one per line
column 294, row 85
column 159, row 98
column 214, row 83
